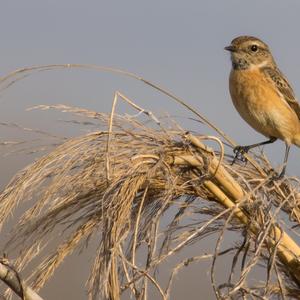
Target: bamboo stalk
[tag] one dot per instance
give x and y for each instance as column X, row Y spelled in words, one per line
column 229, row 193
column 226, row 181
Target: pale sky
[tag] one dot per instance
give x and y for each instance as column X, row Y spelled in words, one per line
column 177, row 44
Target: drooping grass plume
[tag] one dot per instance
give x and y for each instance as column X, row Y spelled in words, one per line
column 145, row 191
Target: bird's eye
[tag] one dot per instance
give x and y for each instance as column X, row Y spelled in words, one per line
column 254, row 48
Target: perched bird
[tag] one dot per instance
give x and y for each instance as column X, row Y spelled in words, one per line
column 262, row 95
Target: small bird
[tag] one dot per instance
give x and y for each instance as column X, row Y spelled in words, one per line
column 262, row 96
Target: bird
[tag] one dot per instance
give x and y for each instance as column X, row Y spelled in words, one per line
column 263, row 96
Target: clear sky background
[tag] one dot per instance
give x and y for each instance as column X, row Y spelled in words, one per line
column 177, row 44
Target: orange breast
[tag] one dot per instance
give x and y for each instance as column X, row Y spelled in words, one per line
column 261, row 105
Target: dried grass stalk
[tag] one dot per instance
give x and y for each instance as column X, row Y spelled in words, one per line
column 150, row 171
column 116, row 186
column 12, row 279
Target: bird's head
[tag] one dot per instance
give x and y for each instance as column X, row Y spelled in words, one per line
column 248, row 52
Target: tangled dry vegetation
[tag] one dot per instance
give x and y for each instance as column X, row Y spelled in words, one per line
column 145, row 191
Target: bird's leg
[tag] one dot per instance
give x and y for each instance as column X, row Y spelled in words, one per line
column 286, row 155
column 239, row 151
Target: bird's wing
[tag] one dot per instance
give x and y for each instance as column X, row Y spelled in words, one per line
column 280, row 83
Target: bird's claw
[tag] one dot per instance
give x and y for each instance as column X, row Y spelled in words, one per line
column 275, row 176
column 240, row 152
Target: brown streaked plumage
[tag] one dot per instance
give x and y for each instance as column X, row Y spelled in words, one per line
column 262, row 95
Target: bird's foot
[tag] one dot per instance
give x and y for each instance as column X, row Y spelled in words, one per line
column 275, row 176
column 240, row 152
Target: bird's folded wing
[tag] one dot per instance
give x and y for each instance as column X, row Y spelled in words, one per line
column 280, row 83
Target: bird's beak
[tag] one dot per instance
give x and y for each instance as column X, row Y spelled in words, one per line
column 230, row 48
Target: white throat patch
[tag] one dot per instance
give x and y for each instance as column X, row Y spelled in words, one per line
column 261, row 65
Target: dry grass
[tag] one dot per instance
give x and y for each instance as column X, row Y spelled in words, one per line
column 145, row 191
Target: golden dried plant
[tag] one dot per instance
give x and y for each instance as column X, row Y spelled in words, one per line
column 145, row 191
